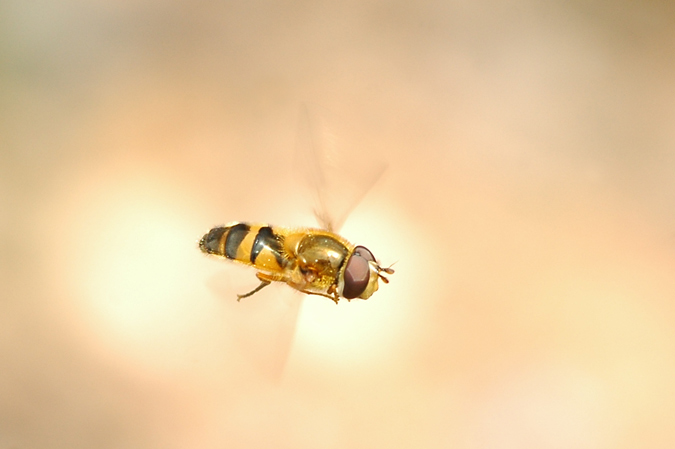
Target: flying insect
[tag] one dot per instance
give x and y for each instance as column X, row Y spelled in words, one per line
column 311, row 260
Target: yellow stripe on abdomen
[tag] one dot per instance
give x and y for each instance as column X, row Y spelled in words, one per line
column 256, row 245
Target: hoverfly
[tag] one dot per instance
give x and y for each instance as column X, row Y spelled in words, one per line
column 312, row 261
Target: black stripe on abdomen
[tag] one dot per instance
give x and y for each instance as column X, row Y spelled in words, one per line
column 234, row 239
column 266, row 238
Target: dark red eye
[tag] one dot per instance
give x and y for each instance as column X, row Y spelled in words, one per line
column 365, row 253
column 357, row 275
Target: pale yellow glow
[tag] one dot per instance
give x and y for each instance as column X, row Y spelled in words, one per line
column 135, row 266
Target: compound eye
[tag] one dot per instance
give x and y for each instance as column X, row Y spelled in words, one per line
column 357, row 275
column 365, row 253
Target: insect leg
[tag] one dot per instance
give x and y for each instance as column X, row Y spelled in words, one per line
column 335, row 298
column 332, row 290
column 262, row 285
column 265, row 280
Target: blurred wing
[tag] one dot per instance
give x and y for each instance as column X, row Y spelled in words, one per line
column 339, row 173
column 262, row 328
column 339, row 176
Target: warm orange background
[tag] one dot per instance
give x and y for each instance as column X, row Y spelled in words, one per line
column 529, row 202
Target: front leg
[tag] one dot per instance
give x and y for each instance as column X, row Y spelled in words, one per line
column 332, row 293
column 332, row 290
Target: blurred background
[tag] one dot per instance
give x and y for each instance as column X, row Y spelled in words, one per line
column 529, row 205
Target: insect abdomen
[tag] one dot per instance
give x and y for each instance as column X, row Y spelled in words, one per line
column 256, row 245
